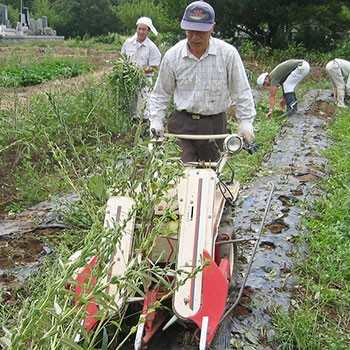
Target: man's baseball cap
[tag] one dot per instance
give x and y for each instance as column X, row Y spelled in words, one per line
column 148, row 22
column 199, row 16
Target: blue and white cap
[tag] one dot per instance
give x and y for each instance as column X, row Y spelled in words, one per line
column 199, row 16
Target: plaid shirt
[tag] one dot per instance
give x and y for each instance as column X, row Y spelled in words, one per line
column 207, row 86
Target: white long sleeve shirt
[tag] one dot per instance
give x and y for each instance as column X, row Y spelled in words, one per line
column 207, row 85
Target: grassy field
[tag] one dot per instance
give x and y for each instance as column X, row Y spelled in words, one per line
column 77, row 138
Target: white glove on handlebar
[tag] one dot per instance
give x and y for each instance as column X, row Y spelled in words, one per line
column 156, row 130
column 246, row 131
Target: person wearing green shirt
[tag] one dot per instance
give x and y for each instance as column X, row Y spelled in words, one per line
column 287, row 75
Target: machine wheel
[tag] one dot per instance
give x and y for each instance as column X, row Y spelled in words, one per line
column 233, row 263
column 229, row 251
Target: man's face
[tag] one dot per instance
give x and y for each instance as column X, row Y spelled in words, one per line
column 198, row 41
column 267, row 81
column 142, row 32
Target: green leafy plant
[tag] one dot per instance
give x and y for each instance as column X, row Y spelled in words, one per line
column 37, row 73
column 52, row 318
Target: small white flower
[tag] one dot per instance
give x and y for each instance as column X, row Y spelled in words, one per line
column 58, row 309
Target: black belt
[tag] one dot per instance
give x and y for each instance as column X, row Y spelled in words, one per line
column 200, row 116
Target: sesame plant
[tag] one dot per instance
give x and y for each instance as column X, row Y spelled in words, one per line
column 82, row 119
column 48, row 319
column 127, row 79
column 78, row 134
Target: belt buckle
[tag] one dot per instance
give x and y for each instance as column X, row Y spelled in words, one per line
column 196, row 116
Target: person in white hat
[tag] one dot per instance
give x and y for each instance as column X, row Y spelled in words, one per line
column 141, row 50
column 203, row 75
column 338, row 71
column 287, row 74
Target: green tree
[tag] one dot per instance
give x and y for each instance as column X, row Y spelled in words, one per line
column 324, row 26
column 316, row 24
column 173, row 11
column 81, row 17
column 17, row 3
column 42, row 8
column 129, row 11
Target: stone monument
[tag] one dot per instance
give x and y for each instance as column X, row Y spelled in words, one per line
column 27, row 29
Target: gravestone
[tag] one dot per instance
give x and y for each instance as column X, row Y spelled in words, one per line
column 26, row 28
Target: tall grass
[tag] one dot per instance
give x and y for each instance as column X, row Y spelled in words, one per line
column 83, row 118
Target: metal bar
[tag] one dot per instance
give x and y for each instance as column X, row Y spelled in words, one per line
column 202, row 164
column 198, row 137
column 232, row 241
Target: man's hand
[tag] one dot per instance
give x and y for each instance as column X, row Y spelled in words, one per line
column 283, row 102
column 246, row 131
column 149, row 69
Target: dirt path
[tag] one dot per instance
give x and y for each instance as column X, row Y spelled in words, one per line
column 294, row 166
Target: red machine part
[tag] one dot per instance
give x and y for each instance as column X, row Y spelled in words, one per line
column 214, row 295
column 91, row 308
